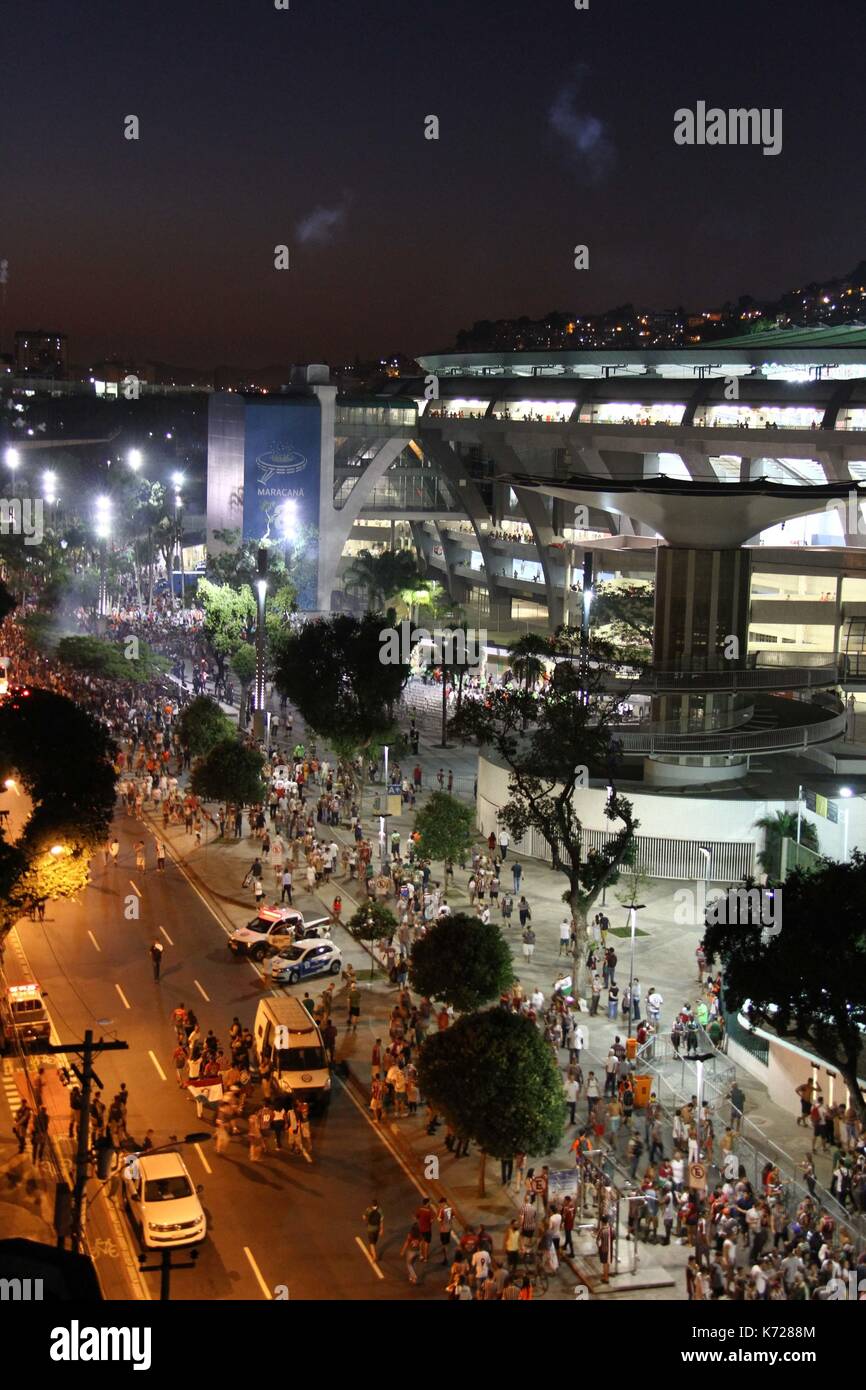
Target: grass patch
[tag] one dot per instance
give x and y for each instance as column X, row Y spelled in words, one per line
column 626, row 931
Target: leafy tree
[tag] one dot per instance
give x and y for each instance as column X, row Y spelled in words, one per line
column 331, row 670
column 243, row 663
column 62, row 759
column 551, row 742
column 202, row 724
column 8, row 602
column 495, row 1080
column 446, row 827
column 229, row 618
column 778, row 827
column 462, row 960
column 372, row 922
column 229, row 771
column 804, row 975
column 110, row 659
column 627, row 608
column 382, row 576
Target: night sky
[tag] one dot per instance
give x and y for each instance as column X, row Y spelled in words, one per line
column 305, row 127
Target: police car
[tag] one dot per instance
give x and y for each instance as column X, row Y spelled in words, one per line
column 271, row 930
column 305, row 959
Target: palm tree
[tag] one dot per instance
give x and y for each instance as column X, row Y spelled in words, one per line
column 364, row 573
column 527, row 655
column 776, row 828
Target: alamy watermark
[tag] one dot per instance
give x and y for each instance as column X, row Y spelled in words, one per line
column 22, row 517
column 448, row 646
column 743, row 907
column 737, row 126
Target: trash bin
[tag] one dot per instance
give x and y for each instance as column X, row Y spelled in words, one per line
column 631, row 1048
column 642, row 1087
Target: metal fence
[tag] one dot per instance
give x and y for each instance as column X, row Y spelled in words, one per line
column 662, row 856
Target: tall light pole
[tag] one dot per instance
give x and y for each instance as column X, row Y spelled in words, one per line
column 177, row 479
column 103, row 531
column 632, row 913
column 13, row 459
column 261, row 597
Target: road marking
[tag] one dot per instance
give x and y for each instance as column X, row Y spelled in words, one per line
column 383, row 1138
column 205, row 997
column 257, row 1272
column 153, row 1058
column 94, row 940
column 126, row 1002
column 368, row 1257
column 198, row 1150
column 166, row 935
column 134, row 889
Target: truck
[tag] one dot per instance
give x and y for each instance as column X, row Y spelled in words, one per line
column 286, row 1035
column 24, row 1021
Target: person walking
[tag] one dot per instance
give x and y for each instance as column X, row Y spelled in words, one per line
column 445, row 1225
column 114, row 851
column 374, row 1222
column 286, row 885
column 354, row 1008
column 504, row 842
column 23, row 1116
column 528, row 939
column 140, row 863
column 564, row 935
column 516, row 875
column 156, row 951
column 411, row 1248
column 160, row 857
column 39, row 1134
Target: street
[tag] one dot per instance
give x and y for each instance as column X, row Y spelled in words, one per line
column 276, row 1224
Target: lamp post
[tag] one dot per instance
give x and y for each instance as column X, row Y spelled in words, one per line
column 13, row 459
column 103, row 531
column 632, row 913
column 699, row 1065
column 848, row 794
column 177, row 479
column 261, row 596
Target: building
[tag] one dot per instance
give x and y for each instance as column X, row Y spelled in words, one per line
column 41, row 352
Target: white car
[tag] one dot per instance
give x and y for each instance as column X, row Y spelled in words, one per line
column 162, row 1200
column 305, row 959
column 271, row 930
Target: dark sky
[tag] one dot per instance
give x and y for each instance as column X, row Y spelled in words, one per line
column 305, row 127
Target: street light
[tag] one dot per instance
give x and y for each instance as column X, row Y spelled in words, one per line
column 633, row 911
column 13, row 459
column 103, row 531
column 135, row 459
column 261, row 594
column 847, row 793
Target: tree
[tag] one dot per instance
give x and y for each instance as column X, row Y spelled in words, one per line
column 551, row 742
column 243, row 664
column 231, row 772
column 62, row 758
column 495, row 1080
column 805, row 974
column 382, row 576
column 130, row 659
column 229, row 618
column 446, row 827
column 527, row 656
column 372, row 922
column 331, row 670
column 625, row 608
column 462, row 960
column 8, row 602
column 778, row 827
column 202, row 724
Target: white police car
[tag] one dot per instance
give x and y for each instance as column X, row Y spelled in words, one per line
column 271, row 930
column 304, row 959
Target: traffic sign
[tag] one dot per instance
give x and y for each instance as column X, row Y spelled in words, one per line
column 697, row 1175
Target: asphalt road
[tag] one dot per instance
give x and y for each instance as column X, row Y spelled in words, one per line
column 279, row 1222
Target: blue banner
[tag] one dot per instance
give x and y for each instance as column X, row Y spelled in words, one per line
column 282, row 459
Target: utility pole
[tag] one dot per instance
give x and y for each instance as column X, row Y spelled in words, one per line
column 86, row 1050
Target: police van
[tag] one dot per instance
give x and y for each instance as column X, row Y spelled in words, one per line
column 285, row 1034
column 24, row 1021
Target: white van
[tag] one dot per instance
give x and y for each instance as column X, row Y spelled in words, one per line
column 285, row 1032
column 162, row 1200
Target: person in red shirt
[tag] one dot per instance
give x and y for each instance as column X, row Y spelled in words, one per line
column 468, row 1242
column 424, row 1218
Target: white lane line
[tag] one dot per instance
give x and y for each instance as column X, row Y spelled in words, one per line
column 205, row 997
column 156, row 1063
column 368, row 1257
column 95, row 942
column 166, row 935
column 258, row 1273
column 207, row 1166
column 126, row 1003
column 384, row 1139
column 134, row 889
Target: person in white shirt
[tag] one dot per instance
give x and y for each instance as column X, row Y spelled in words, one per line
column 504, row 842
column 564, row 935
column 537, row 1000
column 480, row 1266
